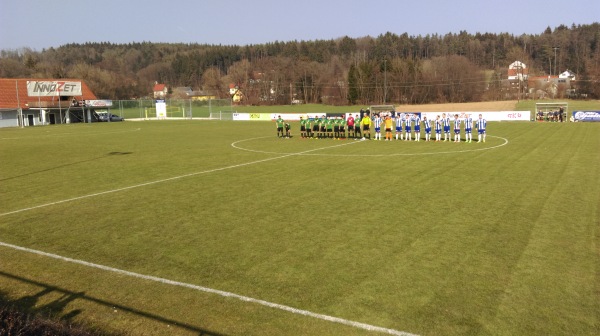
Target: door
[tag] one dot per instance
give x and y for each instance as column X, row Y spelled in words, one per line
column 52, row 118
column 30, row 120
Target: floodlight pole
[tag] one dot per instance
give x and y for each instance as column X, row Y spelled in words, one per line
column 384, row 81
column 555, row 69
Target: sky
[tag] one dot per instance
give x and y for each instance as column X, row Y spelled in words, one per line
column 41, row 24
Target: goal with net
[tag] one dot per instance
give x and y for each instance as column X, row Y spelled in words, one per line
column 222, row 115
column 172, row 112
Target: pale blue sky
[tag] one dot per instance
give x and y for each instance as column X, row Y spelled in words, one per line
column 39, row 24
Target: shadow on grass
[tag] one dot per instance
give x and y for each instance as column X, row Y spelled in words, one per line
column 27, row 304
column 66, row 165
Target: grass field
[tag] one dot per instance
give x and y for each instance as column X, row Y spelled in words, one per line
column 495, row 238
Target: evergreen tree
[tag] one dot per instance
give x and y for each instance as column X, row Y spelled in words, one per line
column 352, row 85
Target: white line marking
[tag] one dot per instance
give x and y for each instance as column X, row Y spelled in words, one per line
column 166, row 180
column 292, row 310
column 235, row 145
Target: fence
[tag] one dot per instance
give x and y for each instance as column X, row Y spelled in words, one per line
column 176, row 108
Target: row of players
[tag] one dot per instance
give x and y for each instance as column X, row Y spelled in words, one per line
column 335, row 127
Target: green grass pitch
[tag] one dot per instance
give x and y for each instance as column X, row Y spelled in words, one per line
column 495, row 238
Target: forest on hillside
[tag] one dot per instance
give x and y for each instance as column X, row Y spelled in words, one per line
column 395, row 68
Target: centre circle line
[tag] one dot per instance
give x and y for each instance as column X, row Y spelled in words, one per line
column 307, row 153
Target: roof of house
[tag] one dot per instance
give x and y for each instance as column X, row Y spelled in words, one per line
column 517, row 64
column 516, row 72
column 13, row 92
column 159, row 87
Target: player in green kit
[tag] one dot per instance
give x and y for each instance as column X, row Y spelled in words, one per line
column 288, row 133
column 357, row 126
column 303, row 127
column 336, row 128
column 279, row 122
column 343, row 127
column 329, row 127
column 315, row 127
column 322, row 127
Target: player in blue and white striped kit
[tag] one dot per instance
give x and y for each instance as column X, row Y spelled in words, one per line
column 456, row 128
column 446, row 123
column 407, row 126
column 417, row 121
column 480, row 124
column 399, row 122
column 427, row 124
column 377, row 122
column 468, row 128
column 438, row 128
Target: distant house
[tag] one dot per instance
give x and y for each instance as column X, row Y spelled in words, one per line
column 33, row 102
column 517, row 70
column 567, row 74
column 160, row 91
column 256, row 77
column 541, row 82
column 542, row 86
column 186, row 92
column 236, row 94
column 203, row 95
column 182, row 92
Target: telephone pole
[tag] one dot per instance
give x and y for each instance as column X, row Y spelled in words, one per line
column 384, row 81
column 555, row 69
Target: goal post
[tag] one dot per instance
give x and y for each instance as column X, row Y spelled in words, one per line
column 376, row 109
column 555, row 112
column 222, row 115
column 172, row 112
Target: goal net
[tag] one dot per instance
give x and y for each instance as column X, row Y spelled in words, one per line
column 553, row 112
column 222, row 115
column 377, row 109
column 172, row 112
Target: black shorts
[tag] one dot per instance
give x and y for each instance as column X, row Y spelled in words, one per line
column 315, row 128
column 388, row 129
column 365, row 127
column 342, row 129
column 322, row 128
column 302, row 128
column 280, row 129
column 329, row 130
column 336, row 128
column 356, row 128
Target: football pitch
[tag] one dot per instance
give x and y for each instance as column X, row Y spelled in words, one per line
column 220, row 228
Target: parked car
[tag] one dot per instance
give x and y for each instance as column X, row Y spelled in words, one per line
column 105, row 115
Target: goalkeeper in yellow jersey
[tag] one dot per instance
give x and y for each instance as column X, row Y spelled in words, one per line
column 388, row 123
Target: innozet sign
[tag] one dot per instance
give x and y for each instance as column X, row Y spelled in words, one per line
column 586, row 115
column 53, row 88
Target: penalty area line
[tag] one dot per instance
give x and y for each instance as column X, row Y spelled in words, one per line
column 292, row 310
column 164, row 180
